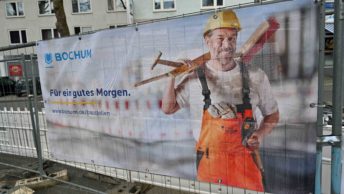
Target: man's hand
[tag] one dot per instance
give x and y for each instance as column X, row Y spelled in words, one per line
column 268, row 123
column 186, row 62
column 254, row 141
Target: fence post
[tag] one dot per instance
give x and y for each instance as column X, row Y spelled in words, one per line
column 35, row 132
column 321, row 58
column 338, row 72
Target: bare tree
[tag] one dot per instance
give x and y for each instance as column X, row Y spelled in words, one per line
column 61, row 21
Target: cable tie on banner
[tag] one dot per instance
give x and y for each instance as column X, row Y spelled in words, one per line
column 318, row 105
column 215, row 12
column 328, row 140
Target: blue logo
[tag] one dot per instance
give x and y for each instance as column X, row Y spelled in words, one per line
column 66, row 56
column 48, row 57
column 73, row 55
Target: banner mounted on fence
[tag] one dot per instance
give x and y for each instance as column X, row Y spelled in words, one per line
column 133, row 97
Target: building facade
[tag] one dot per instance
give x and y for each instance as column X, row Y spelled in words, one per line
column 155, row 9
column 30, row 20
column 25, row 21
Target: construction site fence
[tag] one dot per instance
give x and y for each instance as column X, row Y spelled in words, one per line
column 23, row 132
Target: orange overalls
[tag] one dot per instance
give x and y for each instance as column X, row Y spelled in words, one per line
column 221, row 156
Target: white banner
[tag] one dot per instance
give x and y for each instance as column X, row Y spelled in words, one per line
column 95, row 114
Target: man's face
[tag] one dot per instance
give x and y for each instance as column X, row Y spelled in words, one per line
column 222, row 44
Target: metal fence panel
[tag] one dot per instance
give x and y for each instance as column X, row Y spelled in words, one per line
column 15, row 124
column 17, row 135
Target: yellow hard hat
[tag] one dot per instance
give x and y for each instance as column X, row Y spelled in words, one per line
column 223, row 19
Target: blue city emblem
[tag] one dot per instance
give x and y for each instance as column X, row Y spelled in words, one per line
column 48, row 58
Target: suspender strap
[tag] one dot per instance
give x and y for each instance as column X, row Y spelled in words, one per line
column 205, row 89
column 245, row 84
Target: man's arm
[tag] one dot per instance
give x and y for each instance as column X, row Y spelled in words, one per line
column 169, row 101
column 268, row 123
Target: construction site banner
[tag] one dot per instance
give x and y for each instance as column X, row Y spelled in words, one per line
column 219, row 97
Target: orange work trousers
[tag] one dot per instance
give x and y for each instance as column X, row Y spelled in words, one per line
column 221, row 156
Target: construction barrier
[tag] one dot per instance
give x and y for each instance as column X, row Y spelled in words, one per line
column 67, row 126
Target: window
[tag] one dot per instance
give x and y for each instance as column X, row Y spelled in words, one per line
column 14, row 9
column 18, row 36
column 212, row 3
column 80, row 30
column 117, row 5
column 164, row 4
column 81, row 6
column 46, row 7
column 48, row 34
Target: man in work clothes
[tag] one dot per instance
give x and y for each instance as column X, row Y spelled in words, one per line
column 221, row 155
